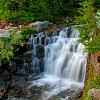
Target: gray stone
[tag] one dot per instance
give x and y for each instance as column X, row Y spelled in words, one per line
column 28, row 57
column 5, row 33
column 40, row 26
column 12, row 98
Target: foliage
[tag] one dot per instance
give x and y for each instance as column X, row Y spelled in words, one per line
column 95, row 83
column 26, row 32
column 91, row 83
column 11, row 44
column 97, row 4
column 6, row 51
column 71, row 7
column 93, row 45
column 90, row 36
column 92, row 80
column 22, row 10
column 88, row 26
column 19, row 11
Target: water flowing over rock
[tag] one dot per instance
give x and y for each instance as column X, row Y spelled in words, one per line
column 63, row 62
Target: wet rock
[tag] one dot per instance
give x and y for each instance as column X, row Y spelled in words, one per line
column 94, row 93
column 22, row 63
column 19, row 85
column 67, row 95
column 21, row 72
column 40, row 51
column 19, row 59
column 75, row 96
column 13, row 98
column 5, row 76
column 41, row 65
column 20, row 90
column 40, row 26
column 43, row 40
column 14, row 67
column 28, row 57
column 55, row 28
column 22, row 69
column 35, row 77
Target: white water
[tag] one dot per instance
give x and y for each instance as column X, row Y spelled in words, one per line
column 65, row 63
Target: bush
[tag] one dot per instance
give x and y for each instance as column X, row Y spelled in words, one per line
column 18, row 11
column 6, row 52
column 26, row 32
column 11, row 44
column 89, row 30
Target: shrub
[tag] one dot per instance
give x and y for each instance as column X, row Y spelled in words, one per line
column 89, row 30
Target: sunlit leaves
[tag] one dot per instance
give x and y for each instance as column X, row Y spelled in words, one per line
column 89, row 29
column 6, row 52
column 11, row 44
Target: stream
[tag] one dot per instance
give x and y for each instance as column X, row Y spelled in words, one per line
column 62, row 62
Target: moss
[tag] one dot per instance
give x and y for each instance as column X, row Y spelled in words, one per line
column 92, row 81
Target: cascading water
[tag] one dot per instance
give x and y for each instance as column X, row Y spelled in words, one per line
column 64, row 62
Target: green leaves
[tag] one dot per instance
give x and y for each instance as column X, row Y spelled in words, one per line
column 21, row 11
column 6, row 52
column 11, row 44
column 95, row 83
column 94, row 45
column 89, row 29
column 12, row 5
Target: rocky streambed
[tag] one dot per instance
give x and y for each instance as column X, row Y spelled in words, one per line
column 24, row 74
column 21, row 89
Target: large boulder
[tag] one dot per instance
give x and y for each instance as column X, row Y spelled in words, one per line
column 40, row 26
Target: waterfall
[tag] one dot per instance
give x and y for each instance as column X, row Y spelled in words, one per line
column 64, row 61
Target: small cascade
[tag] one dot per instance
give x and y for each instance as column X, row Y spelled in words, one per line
column 64, row 61
column 36, row 45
